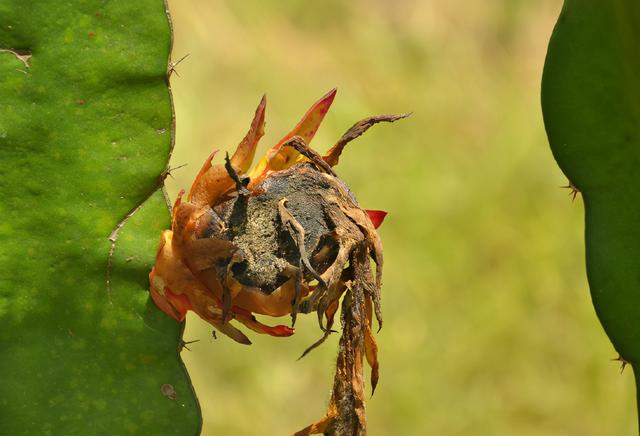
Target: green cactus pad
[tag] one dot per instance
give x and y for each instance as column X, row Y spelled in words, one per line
column 85, row 131
column 591, row 106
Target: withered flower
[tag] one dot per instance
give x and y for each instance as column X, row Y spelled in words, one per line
column 285, row 237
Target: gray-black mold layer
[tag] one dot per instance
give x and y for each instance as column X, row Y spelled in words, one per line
column 255, row 227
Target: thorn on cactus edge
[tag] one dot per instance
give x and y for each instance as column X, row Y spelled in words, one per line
column 573, row 190
column 623, row 362
column 182, row 344
column 173, row 65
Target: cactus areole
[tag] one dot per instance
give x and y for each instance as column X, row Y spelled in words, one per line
column 285, row 237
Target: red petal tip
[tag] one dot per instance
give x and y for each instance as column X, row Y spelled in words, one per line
column 281, row 330
column 376, row 217
column 327, row 99
column 178, row 199
column 263, row 103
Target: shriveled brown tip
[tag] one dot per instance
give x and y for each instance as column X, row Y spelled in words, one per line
column 333, row 155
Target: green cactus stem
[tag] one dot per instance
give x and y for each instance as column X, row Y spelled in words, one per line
column 591, row 106
column 85, row 131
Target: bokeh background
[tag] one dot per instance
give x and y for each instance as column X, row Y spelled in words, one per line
column 489, row 328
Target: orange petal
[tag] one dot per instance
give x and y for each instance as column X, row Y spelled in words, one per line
column 179, row 301
column 278, row 303
column 255, row 325
column 178, row 201
column 198, row 182
column 163, row 302
column 213, row 180
column 242, row 158
column 278, row 158
column 308, row 125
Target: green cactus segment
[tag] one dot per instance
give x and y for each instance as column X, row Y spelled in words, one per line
column 85, row 130
column 591, row 106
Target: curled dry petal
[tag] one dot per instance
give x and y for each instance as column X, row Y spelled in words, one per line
column 333, row 155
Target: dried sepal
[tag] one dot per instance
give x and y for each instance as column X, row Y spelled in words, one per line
column 346, row 411
column 333, row 155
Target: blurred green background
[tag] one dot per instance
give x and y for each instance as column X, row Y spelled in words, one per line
column 489, row 328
